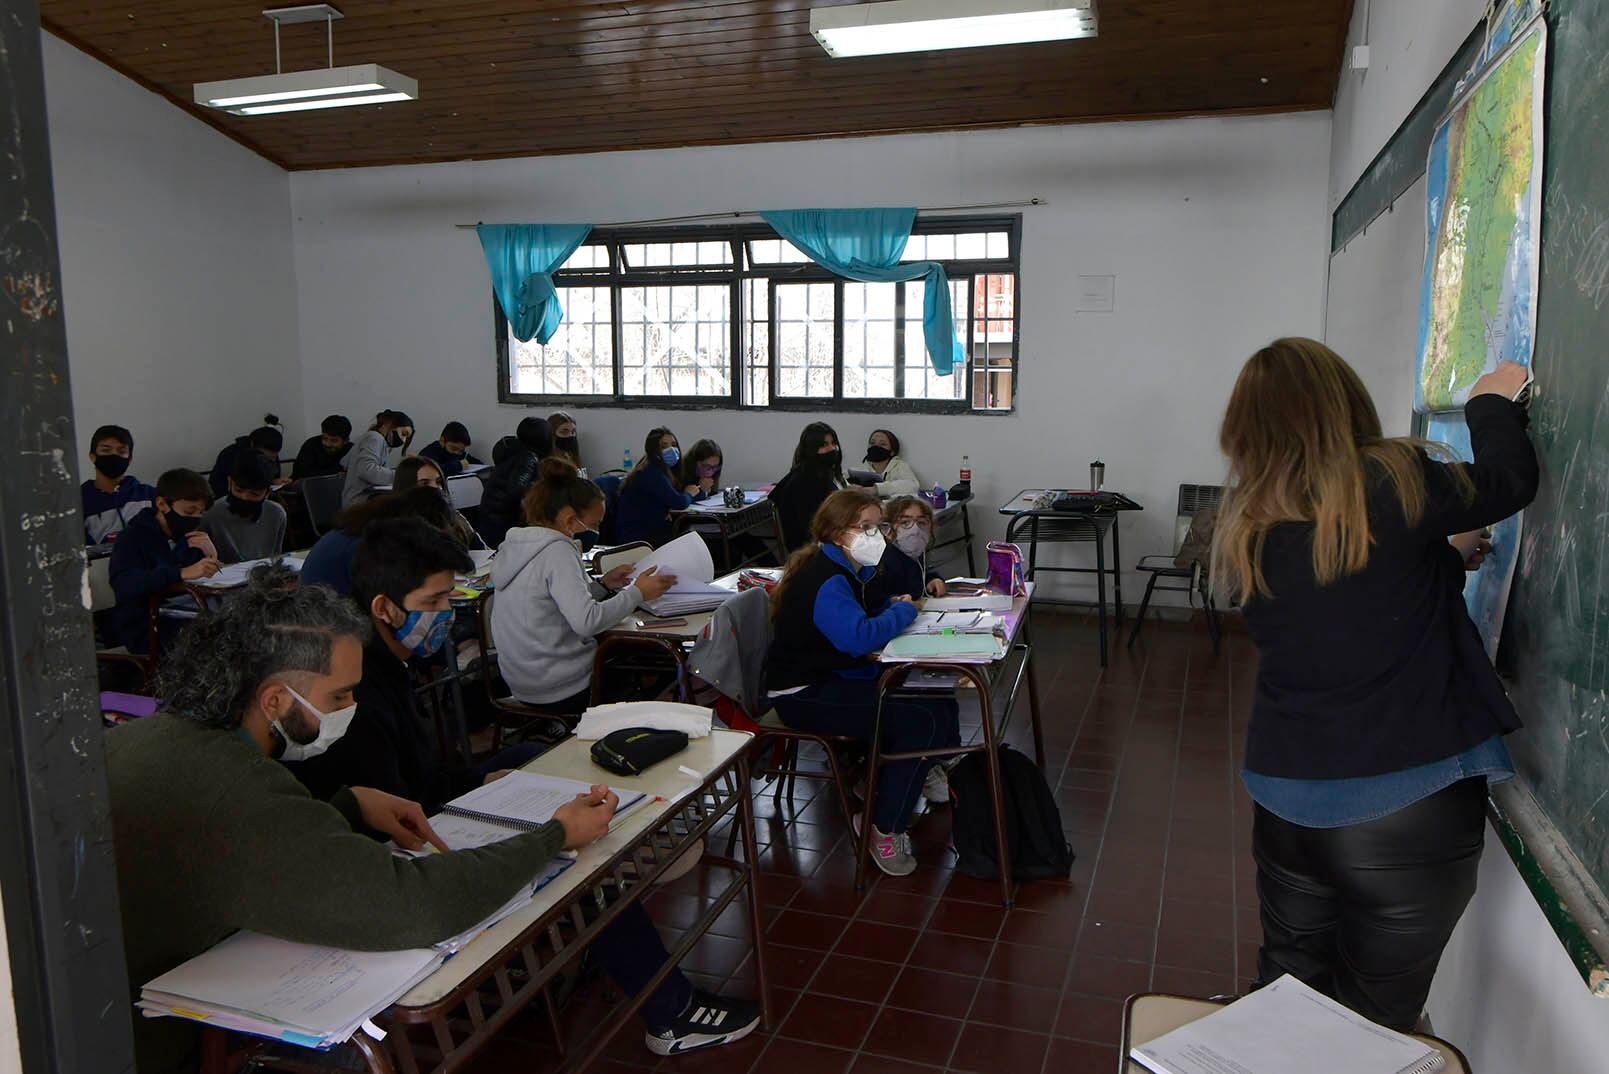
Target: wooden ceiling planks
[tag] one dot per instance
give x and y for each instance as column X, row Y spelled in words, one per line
column 521, row 78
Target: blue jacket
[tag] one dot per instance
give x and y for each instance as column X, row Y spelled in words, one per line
column 899, row 574
column 829, row 621
column 145, row 562
column 107, row 514
column 450, row 466
column 329, row 562
column 646, row 500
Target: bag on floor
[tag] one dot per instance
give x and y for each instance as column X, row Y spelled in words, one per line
column 1039, row 850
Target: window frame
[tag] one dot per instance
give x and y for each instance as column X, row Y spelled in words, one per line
column 737, row 276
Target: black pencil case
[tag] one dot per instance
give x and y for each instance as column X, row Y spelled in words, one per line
column 632, row 750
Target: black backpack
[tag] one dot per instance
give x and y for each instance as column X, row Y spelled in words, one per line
column 1039, row 850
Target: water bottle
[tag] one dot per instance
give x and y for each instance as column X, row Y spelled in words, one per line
column 966, row 469
column 625, row 463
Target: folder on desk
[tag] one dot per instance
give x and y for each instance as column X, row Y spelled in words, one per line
column 966, row 648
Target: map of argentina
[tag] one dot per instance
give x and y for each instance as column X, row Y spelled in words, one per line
column 1478, row 300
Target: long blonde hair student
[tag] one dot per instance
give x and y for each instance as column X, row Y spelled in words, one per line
column 1302, row 434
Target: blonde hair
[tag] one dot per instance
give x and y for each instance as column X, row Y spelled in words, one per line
column 1301, row 434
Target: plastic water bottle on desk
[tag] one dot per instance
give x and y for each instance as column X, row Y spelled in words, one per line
column 625, row 463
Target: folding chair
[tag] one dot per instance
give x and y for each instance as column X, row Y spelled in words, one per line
column 1195, row 575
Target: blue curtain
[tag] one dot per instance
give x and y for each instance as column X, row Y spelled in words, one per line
column 865, row 245
column 522, row 258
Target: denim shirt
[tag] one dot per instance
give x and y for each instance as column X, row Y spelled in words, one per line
column 1335, row 803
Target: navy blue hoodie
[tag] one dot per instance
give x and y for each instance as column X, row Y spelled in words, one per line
column 145, row 562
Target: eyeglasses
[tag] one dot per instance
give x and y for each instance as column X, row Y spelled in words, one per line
column 875, row 527
column 913, row 524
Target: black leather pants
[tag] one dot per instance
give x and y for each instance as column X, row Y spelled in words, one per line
column 1362, row 912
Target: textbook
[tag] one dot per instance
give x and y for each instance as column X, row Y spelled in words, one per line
column 1282, row 1027
column 304, row 994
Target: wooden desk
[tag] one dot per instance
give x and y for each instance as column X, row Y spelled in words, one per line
column 1149, row 1015
column 1013, row 671
column 641, row 630
column 759, row 518
column 450, row 1016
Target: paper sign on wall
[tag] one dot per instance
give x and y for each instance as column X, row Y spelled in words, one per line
column 1097, row 294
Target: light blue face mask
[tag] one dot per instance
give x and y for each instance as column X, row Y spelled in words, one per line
column 424, row 633
column 671, row 456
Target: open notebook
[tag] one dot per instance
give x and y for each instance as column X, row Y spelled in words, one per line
column 1286, row 1026
column 519, row 802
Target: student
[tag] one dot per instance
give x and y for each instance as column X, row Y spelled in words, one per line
column 419, row 470
column 653, row 489
column 369, row 464
column 827, row 622
column 329, row 563
column 113, row 496
column 904, row 569
column 266, row 440
column 701, row 466
column 246, row 524
column 817, row 473
column 161, row 547
column 566, row 439
column 1377, row 720
column 548, row 611
column 883, row 459
column 511, row 478
column 322, row 455
column 451, row 451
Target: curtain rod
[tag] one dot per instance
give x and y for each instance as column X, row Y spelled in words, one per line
column 739, row 214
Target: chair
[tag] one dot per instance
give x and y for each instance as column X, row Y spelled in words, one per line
column 619, row 555
column 509, row 714
column 609, row 484
column 102, row 599
column 323, row 497
column 1193, row 499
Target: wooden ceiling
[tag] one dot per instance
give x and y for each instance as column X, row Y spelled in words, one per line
column 504, row 78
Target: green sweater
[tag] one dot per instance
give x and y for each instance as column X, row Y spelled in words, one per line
column 211, row 836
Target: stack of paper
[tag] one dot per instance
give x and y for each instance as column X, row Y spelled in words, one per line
column 958, row 602
column 316, row 997
column 954, row 623
column 692, row 720
column 688, row 559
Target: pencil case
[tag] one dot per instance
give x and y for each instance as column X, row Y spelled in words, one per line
column 631, row 751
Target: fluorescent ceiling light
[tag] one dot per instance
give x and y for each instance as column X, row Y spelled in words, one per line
column 925, row 25
column 327, row 87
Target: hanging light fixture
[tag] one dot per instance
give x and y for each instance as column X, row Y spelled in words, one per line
column 302, row 91
column 926, row 25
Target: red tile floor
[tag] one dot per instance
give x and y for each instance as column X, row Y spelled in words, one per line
column 929, row 973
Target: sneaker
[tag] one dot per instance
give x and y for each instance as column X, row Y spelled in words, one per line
column 892, row 853
column 708, row 1021
column 936, row 787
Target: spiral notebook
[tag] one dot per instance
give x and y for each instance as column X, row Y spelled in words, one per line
column 518, row 802
column 1282, row 1027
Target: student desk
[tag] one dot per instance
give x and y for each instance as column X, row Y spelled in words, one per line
column 1149, row 1015
column 447, row 1018
column 652, row 636
column 946, row 517
column 1006, row 675
column 759, row 517
column 1030, row 513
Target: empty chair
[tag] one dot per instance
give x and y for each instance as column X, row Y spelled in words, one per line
column 1188, row 563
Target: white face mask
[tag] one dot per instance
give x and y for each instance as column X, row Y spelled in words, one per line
column 331, row 726
column 867, row 548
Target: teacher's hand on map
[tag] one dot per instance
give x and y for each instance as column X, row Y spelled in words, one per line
column 1506, row 380
column 1473, row 547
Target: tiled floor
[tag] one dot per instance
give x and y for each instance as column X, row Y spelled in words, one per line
column 928, row 973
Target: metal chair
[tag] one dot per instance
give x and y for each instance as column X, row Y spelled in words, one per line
column 529, row 722
column 323, row 498
column 619, row 555
column 1196, row 577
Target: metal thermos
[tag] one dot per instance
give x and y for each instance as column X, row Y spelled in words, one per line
column 1097, row 475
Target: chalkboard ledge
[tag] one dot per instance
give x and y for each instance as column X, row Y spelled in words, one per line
column 1574, row 905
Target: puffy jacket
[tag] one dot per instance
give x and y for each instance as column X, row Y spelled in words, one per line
column 502, row 501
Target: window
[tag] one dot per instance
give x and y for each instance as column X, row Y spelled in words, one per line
column 736, row 316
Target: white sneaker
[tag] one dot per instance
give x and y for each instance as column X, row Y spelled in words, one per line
column 892, row 853
column 936, row 787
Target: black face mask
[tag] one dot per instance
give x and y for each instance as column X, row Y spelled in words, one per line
column 337, row 451
column 568, row 443
column 113, row 466
column 878, row 453
column 394, row 439
column 832, row 460
column 180, row 525
column 250, row 510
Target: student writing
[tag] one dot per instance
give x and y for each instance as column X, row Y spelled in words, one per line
column 1377, row 720
column 163, row 546
column 323, row 455
column 246, row 524
column 266, row 440
column 701, row 467
column 369, row 463
column 112, row 497
column 451, row 450
column 653, row 489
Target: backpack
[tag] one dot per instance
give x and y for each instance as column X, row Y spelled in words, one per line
column 1039, row 850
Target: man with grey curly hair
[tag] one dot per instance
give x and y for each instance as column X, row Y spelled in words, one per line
column 212, row 834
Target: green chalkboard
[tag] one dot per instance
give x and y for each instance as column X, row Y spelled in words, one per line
column 1555, row 649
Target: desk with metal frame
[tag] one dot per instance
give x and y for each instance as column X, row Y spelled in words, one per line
column 443, row 1022
column 941, row 516
column 759, row 517
column 1012, row 670
column 642, row 630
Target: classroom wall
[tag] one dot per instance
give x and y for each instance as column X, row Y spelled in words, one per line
column 177, row 274
column 1506, row 993
column 1215, row 229
column 10, row 1049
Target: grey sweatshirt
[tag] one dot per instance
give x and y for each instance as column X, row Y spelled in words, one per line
column 237, row 538
column 368, row 464
column 547, row 612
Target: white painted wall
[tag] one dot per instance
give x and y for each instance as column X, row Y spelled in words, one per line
column 1215, row 230
column 1506, row 992
column 10, row 1048
column 177, row 278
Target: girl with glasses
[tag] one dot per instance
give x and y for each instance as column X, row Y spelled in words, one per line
column 904, row 567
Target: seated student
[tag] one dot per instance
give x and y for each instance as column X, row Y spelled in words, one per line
column 883, row 459
column 826, row 625
column 266, row 440
column 566, row 439
column 816, row 474
column 517, row 460
column 652, row 490
column 419, row 470
column 113, row 496
column 211, row 836
column 548, row 611
column 161, row 547
column 904, row 567
column 329, row 562
column 246, row 524
column 322, row 455
column 701, row 466
column 451, row 451
column 369, row 464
